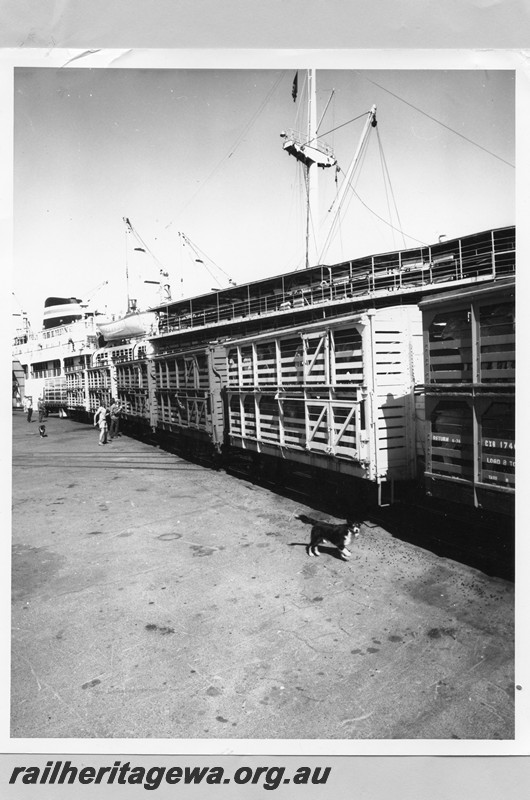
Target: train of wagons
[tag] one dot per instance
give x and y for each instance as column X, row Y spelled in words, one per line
column 368, row 374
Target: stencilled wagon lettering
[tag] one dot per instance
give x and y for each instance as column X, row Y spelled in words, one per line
column 501, row 444
column 449, row 439
column 496, row 467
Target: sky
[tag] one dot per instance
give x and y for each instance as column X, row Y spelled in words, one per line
column 199, row 152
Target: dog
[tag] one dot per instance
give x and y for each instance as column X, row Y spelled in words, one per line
column 42, row 431
column 338, row 535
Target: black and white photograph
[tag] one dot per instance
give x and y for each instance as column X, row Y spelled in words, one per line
column 263, row 404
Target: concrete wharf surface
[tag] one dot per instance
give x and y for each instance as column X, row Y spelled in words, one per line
column 156, row 598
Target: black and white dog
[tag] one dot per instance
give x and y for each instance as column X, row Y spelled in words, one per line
column 338, row 535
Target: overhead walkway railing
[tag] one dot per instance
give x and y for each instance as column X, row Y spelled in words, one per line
column 485, row 256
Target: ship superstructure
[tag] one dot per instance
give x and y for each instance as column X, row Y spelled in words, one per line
column 42, row 359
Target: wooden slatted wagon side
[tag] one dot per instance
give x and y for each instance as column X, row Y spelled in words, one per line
column 469, row 345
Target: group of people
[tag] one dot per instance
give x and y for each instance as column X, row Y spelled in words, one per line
column 108, row 421
column 28, row 408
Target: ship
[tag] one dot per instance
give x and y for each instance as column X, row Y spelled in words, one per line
column 41, row 359
column 47, row 364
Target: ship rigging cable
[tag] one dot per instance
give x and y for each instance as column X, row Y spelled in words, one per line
column 420, row 111
column 386, row 177
column 385, row 184
column 336, row 217
column 342, row 125
column 413, row 238
column 336, row 220
column 232, row 149
column 197, row 252
column 345, row 202
column 142, row 243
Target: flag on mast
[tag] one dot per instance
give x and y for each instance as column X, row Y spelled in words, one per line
column 294, row 91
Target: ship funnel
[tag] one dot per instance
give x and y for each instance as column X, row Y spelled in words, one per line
column 61, row 311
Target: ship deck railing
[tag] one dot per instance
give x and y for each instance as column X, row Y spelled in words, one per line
column 300, row 139
column 401, row 273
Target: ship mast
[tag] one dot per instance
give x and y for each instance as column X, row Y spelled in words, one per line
column 311, row 154
column 311, row 172
column 128, row 229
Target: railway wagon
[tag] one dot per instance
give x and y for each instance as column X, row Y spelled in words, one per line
column 100, row 383
column 315, row 369
column 54, row 393
column 76, row 379
column 132, row 385
column 118, row 371
column 469, row 347
column 188, row 409
column 337, row 395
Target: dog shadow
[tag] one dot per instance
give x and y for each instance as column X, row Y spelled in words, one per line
column 323, row 550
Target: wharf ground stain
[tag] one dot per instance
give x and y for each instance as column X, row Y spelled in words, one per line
column 95, row 533
column 90, row 684
column 437, row 633
column 200, row 551
column 167, row 537
column 395, row 638
column 213, row 691
column 438, row 588
column 32, row 568
column 221, row 719
column 163, row 630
